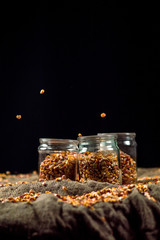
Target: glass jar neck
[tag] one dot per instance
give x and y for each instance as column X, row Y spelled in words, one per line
column 121, row 135
column 58, row 144
column 97, row 143
column 126, row 136
column 57, row 141
column 98, row 138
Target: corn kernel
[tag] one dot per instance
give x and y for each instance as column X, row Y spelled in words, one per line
column 42, row 91
column 103, row 115
column 18, row 116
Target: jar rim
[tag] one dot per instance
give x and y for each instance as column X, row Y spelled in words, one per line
column 97, row 137
column 57, row 140
column 121, row 134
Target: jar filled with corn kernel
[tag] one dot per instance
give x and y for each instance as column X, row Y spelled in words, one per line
column 58, row 158
column 98, row 158
column 128, row 156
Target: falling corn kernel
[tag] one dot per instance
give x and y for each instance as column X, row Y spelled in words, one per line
column 79, row 135
column 103, row 115
column 18, row 116
column 42, row 91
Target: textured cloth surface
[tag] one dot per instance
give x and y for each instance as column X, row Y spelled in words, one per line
column 46, row 218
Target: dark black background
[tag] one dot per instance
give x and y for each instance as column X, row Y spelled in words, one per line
column 90, row 57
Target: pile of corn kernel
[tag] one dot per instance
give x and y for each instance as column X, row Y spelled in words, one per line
column 26, row 197
column 114, row 194
column 106, row 195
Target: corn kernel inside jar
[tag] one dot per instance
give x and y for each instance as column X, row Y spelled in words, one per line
column 99, row 166
column 59, row 164
column 129, row 168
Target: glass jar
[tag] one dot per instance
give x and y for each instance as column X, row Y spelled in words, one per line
column 98, row 158
column 128, row 156
column 57, row 158
column 43, row 150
